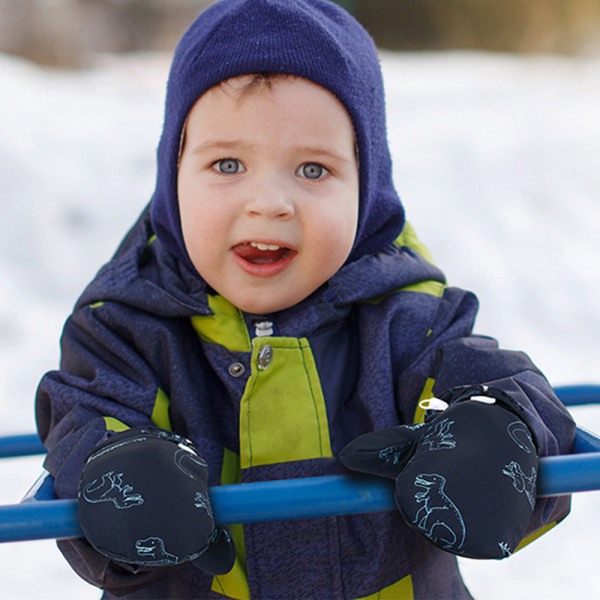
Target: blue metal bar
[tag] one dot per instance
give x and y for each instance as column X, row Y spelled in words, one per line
column 39, row 521
column 577, row 395
column 585, row 441
column 41, row 517
column 20, row 445
column 42, row 489
column 301, row 498
column 561, row 475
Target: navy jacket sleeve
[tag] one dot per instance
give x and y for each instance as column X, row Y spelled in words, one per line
column 103, row 382
column 453, row 356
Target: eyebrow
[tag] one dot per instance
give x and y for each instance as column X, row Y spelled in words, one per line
column 317, row 151
column 322, row 151
column 219, row 144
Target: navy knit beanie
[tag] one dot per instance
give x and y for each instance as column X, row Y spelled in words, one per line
column 313, row 39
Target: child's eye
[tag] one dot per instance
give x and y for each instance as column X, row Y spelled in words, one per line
column 229, row 166
column 312, row 171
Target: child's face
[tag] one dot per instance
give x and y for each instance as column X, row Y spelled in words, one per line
column 268, row 191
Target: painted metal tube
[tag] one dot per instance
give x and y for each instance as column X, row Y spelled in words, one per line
column 39, row 521
column 578, row 395
column 41, row 516
column 286, row 499
column 561, row 475
column 28, row 444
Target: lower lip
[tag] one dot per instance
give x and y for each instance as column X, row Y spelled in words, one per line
column 265, row 269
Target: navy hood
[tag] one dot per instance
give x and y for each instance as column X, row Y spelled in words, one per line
column 313, row 39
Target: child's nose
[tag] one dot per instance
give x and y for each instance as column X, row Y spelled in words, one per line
column 269, row 198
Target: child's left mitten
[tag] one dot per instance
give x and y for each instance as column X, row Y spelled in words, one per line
column 143, row 500
column 465, row 479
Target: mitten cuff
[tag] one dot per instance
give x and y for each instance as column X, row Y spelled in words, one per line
column 489, row 395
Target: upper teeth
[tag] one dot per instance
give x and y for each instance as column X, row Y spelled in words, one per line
column 261, row 246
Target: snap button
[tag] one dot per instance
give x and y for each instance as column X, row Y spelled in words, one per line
column 236, row 369
column 265, row 356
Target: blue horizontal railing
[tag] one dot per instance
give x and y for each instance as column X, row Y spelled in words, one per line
column 41, row 516
column 578, row 395
column 13, row 446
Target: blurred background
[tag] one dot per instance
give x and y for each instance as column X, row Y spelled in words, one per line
column 494, row 130
column 68, row 33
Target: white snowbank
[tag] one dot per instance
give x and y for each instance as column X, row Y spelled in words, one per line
column 497, row 159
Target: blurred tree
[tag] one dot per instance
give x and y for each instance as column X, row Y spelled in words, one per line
column 70, row 32
column 563, row 26
column 350, row 5
column 42, row 30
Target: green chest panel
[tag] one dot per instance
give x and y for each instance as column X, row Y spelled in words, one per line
column 282, row 413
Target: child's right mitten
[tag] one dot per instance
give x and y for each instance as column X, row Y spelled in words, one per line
column 143, row 500
column 466, row 478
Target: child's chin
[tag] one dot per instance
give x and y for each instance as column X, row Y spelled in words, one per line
column 264, row 308
column 265, row 305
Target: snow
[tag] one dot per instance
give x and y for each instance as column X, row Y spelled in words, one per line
column 497, row 159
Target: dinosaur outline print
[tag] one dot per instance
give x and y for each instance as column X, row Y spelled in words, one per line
column 521, row 436
column 185, row 454
column 439, row 518
column 155, row 548
column 111, row 489
column 393, row 454
column 524, row 484
column 440, row 438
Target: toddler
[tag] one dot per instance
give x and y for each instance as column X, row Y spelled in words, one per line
column 272, row 315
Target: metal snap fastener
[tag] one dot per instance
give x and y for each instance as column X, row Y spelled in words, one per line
column 236, row 369
column 265, row 356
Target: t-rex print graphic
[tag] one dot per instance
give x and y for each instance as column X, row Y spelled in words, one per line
column 522, row 483
column 438, row 518
column 440, row 438
column 520, row 434
column 505, row 549
column 393, row 454
column 154, row 547
column 111, row 489
column 185, row 458
column 437, row 438
column 202, row 501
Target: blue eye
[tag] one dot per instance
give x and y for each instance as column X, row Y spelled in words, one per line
column 229, row 166
column 312, row 171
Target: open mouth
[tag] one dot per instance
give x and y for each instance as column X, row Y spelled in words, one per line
column 260, row 253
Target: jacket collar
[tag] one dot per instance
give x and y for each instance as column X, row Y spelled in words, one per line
column 145, row 275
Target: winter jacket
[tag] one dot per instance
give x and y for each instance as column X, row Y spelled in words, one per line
column 277, row 397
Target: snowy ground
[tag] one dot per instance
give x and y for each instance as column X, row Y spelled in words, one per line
column 497, row 159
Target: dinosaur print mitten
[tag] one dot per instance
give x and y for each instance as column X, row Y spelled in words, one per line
column 466, row 478
column 143, row 500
